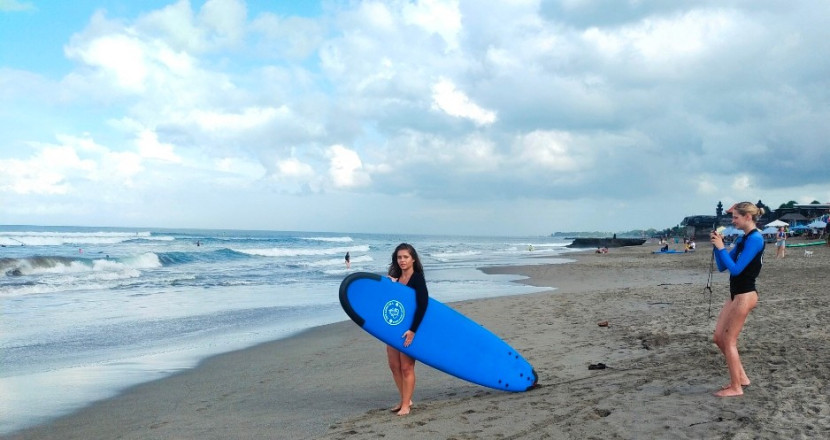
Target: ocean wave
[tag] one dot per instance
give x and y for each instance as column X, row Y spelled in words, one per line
column 152, row 238
column 65, row 279
column 551, row 245
column 330, row 239
column 42, row 265
column 74, row 238
column 224, row 254
column 445, row 256
column 302, row 252
column 337, row 261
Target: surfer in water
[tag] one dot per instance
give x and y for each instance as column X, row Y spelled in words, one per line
column 348, row 260
column 406, row 268
column 744, row 264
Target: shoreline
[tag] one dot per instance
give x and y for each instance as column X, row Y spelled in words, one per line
column 332, row 381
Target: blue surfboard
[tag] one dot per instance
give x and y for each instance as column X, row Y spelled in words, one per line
column 446, row 340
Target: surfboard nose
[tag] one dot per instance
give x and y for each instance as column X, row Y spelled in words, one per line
column 344, row 294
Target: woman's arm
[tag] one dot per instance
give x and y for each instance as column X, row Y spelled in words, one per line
column 753, row 244
column 419, row 284
column 718, row 256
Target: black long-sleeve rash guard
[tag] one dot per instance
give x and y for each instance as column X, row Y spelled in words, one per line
column 419, row 284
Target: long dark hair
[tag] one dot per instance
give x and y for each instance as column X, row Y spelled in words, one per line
column 395, row 270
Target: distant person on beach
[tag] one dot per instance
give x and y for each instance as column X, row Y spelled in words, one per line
column 406, row 268
column 744, row 264
column 827, row 232
column 780, row 243
column 348, row 261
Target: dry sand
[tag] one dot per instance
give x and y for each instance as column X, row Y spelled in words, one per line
column 332, row 382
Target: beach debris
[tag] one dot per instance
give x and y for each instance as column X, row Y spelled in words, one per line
column 603, row 323
column 598, row 366
column 602, row 412
column 719, row 419
column 650, row 341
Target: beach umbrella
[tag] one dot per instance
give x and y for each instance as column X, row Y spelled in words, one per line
column 799, row 228
column 777, row 224
column 732, row 231
column 817, row 224
column 770, row 230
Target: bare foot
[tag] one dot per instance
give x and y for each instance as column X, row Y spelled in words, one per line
column 729, row 385
column 730, row 392
column 404, row 411
column 397, row 407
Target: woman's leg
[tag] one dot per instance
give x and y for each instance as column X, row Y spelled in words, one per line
column 721, row 339
column 394, row 358
column 407, row 383
column 729, row 326
column 718, row 337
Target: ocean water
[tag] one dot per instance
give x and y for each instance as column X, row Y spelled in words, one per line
column 87, row 312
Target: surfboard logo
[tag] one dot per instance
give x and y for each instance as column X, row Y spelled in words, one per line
column 393, row 312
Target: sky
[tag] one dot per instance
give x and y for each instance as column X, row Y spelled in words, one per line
column 420, row 117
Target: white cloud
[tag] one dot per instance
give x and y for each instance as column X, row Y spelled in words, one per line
column 436, row 16
column 120, row 58
column 447, row 98
column 121, row 167
column 666, row 39
column 706, row 186
column 44, row 173
column 377, row 15
column 226, row 20
column 553, row 151
column 238, row 166
column 345, row 168
column 249, row 118
column 149, row 147
column 218, row 25
column 293, row 168
column 741, row 183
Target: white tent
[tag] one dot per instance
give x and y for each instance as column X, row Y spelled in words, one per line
column 777, row 224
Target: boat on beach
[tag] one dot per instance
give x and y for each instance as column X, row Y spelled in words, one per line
column 590, row 242
column 812, row 243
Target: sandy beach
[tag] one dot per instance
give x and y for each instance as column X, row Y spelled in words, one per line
column 332, row 382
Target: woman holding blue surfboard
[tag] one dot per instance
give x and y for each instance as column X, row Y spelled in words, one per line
column 406, row 268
